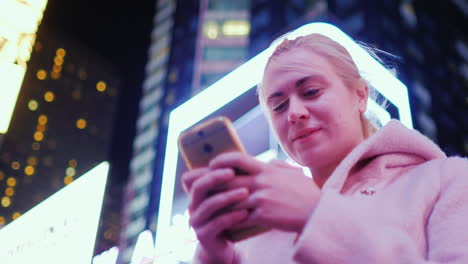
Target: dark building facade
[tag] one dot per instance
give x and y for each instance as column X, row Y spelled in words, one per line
column 61, row 127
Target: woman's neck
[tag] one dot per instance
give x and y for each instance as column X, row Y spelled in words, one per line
column 321, row 175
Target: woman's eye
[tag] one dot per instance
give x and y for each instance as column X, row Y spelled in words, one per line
column 280, row 107
column 311, row 92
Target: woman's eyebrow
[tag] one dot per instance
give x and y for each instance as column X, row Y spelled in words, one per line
column 275, row 95
column 310, row 78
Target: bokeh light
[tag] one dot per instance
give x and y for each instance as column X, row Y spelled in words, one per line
column 72, row 163
column 67, row 180
column 15, row 215
column 41, row 74
column 15, row 165
column 11, row 182
column 33, row 105
column 60, row 52
column 42, row 120
column 81, row 123
column 101, row 86
column 70, row 172
column 6, row 201
column 38, row 136
column 49, row 96
column 29, row 170
column 9, row 191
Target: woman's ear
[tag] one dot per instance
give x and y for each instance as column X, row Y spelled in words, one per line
column 362, row 91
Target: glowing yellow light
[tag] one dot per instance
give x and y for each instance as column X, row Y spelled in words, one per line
column 41, row 74
column 9, row 191
column 11, row 182
column 57, row 68
column 60, row 52
column 29, row 170
column 15, row 215
column 101, row 86
column 38, row 136
column 36, row 146
column 81, row 123
column 58, row 61
column 67, row 180
column 42, row 120
column 49, row 96
column 33, row 105
column 55, row 75
column 236, row 28
column 210, row 29
column 15, row 165
column 2, row 175
column 41, row 128
column 32, row 161
column 72, row 163
column 6, row 201
column 2, row 220
column 70, row 172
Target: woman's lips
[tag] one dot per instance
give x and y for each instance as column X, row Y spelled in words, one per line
column 305, row 134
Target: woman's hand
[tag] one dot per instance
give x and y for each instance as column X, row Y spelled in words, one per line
column 208, row 214
column 281, row 196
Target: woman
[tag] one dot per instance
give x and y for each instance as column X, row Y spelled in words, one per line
column 376, row 196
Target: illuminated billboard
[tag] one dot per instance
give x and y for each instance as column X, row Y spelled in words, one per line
column 62, row 228
column 242, row 81
column 19, row 21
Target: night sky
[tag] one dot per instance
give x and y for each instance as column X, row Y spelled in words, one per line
column 120, row 32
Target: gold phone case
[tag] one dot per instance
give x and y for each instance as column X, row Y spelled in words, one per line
column 201, row 143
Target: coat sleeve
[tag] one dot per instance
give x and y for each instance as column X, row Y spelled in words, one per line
column 341, row 232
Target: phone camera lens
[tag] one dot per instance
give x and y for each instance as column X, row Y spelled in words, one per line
column 207, row 148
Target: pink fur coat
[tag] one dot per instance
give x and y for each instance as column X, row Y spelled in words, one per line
column 396, row 198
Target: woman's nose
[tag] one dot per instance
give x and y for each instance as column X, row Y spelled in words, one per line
column 297, row 110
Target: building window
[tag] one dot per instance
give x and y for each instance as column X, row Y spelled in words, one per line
column 228, row 5
column 236, row 28
column 224, row 53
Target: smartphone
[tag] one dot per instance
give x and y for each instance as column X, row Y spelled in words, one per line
column 201, row 143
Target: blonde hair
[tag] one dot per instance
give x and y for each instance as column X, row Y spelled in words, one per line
column 337, row 56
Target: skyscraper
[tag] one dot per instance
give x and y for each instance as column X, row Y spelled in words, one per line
column 62, row 122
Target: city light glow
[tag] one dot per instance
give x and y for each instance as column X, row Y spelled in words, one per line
column 41, row 75
column 42, row 120
column 11, row 182
column 18, row 24
column 210, row 29
column 236, row 28
column 229, row 88
column 6, row 201
column 11, row 77
column 81, row 123
column 33, row 105
column 62, row 228
column 15, row 215
column 101, row 86
column 29, row 170
column 49, row 96
column 9, row 191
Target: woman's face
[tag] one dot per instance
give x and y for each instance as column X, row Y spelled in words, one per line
column 315, row 115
